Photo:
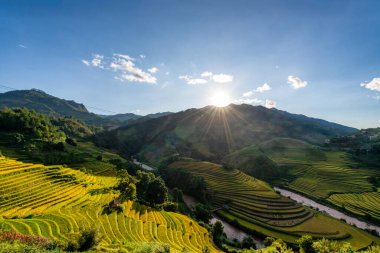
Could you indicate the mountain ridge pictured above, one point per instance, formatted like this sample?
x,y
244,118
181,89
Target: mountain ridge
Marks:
x,y
202,133
42,102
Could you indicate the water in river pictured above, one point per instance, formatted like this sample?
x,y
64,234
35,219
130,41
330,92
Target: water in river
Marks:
x,y
330,211
235,233
231,232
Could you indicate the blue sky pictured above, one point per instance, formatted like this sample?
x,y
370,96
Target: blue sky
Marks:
x,y
318,58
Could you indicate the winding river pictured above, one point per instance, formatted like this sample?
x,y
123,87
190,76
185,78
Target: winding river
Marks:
x,y
328,210
143,165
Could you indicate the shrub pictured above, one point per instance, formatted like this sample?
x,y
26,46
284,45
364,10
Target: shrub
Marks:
x,y
247,242
71,142
88,239
203,213
170,207
305,244
217,232
11,236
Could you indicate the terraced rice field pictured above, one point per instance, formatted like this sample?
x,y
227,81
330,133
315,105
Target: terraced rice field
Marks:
x,y
256,207
55,202
323,178
318,173
362,204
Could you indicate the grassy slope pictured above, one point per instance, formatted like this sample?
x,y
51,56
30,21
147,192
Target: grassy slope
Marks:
x,y
256,207
320,174
55,202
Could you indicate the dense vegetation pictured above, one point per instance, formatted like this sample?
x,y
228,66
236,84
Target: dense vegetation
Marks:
x,y
364,145
51,106
46,104
35,137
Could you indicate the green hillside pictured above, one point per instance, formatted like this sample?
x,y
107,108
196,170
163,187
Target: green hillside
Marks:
x,y
210,133
321,173
254,206
49,105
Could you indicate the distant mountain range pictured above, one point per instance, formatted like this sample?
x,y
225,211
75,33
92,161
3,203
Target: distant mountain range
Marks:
x,y
208,133
211,133
56,107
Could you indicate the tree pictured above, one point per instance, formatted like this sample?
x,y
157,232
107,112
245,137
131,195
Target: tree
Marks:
x,y
268,241
305,244
203,213
177,195
151,189
143,181
247,242
71,141
217,232
157,193
88,239
126,186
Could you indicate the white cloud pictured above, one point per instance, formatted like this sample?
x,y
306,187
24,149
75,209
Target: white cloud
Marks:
x,y
296,82
142,56
206,74
248,101
193,81
153,70
222,78
248,94
263,88
85,62
97,61
270,103
372,85
125,66
124,56
22,46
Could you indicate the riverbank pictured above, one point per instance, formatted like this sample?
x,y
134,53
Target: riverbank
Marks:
x,y
328,210
231,231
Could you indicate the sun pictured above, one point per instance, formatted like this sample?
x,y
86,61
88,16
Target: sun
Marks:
x,y
220,99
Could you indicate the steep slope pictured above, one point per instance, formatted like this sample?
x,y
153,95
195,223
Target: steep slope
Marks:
x,y
53,106
211,132
49,105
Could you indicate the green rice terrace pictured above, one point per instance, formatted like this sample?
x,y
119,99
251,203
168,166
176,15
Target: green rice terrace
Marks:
x,y
58,202
322,174
254,206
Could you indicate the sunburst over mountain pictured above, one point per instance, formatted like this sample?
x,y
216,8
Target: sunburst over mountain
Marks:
x,y
168,126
